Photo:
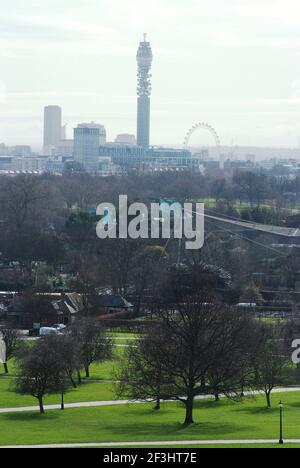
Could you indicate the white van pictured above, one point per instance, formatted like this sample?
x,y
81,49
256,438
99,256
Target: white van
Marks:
x,y
46,331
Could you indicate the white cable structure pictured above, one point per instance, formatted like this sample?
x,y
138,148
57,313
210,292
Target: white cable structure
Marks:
x,y
205,126
274,230
268,229
253,241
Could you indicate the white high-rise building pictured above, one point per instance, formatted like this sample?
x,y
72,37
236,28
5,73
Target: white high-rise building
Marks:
x,y
52,127
86,147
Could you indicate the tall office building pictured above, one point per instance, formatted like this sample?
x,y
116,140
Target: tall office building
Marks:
x,y
86,147
52,126
102,130
144,60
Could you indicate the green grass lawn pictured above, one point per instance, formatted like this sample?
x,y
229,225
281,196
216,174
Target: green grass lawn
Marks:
x,y
107,370
85,392
124,334
103,371
125,341
223,420
11,368
89,391
210,203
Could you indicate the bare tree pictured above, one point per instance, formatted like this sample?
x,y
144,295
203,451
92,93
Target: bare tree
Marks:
x,y
141,375
219,189
65,353
233,353
251,185
271,361
20,197
94,344
146,272
190,340
37,369
252,295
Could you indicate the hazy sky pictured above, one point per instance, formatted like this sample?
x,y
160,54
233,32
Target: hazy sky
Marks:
x,y
232,63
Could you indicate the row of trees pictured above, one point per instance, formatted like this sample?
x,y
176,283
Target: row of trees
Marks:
x,y
193,346
53,364
47,219
24,192
42,205
201,346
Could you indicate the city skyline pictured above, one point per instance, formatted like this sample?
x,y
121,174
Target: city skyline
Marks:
x,y
233,65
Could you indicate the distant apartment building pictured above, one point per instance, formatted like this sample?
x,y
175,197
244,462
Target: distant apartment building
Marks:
x,y
125,139
124,152
63,133
20,150
29,164
86,147
203,155
268,164
3,149
6,163
55,165
108,168
251,158
149,159
241,165
101,128
64,148
52,127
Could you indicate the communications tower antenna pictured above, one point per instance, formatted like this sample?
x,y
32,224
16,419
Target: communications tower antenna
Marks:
x,y
144,61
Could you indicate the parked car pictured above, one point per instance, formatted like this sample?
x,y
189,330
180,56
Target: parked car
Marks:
x,y
59,326
46,331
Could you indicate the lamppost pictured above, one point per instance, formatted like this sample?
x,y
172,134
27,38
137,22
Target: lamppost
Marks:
x,y
281,421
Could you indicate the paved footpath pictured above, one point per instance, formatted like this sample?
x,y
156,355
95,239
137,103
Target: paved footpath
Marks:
x,y
159,443
87,404
93,404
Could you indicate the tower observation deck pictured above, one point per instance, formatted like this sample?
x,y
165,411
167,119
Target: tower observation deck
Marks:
x,y
144,61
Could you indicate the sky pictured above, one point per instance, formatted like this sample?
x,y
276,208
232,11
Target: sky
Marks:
x,y
234,64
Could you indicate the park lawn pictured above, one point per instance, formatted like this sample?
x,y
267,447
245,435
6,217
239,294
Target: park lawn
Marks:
x,y
107,370
124,334
125,341
102,371
239,206
11,368
269,320
139,422
88,391
208,202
